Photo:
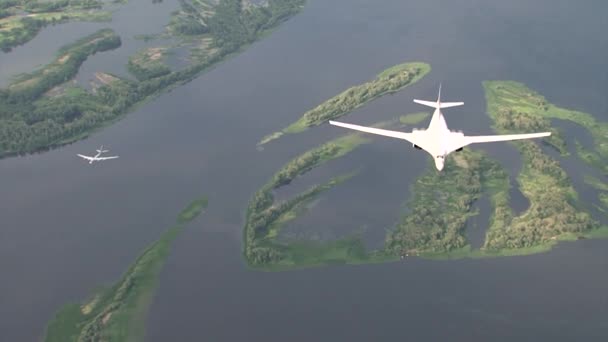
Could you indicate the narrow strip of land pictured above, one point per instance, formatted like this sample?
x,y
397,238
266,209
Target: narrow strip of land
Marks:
x,y
118,313
389,81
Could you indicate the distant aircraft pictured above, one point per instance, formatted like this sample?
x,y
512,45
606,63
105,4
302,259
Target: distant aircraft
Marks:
x,y
97,156
437,139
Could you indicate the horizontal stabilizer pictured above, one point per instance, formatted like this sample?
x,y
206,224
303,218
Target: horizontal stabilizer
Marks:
x,y
438,105
426,103
450,104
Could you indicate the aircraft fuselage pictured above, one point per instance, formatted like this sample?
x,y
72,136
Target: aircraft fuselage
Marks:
x,y
435,137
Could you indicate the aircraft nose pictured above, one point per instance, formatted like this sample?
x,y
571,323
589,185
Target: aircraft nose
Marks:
x,y
439,164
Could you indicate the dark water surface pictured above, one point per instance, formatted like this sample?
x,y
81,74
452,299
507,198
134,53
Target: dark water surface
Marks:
x,y
68,227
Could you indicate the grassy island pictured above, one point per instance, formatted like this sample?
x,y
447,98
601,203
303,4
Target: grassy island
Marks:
x,y
149,63
513,105
265,217
20,21
442,202
510,100
38,112
389,81
554,214
118,313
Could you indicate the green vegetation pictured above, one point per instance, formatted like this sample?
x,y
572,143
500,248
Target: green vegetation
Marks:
x,y
265,218
149,63
554,210
596,183
213,28
414,118
554,215
119,313
193,210
514,101
604,199
389,81
31,121
36,111
441,204
20,21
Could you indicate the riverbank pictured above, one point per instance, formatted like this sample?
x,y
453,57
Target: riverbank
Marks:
x,y
119,313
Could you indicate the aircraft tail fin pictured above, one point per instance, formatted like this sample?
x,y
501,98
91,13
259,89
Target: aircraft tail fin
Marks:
x,y
438,104
101,150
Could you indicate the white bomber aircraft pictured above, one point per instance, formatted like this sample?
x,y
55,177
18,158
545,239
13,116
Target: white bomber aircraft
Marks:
x,y
437,139
97,156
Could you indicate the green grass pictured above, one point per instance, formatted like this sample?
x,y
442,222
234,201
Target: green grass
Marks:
x,y
265,218
519,98
603,196
14,30
301,203
442,202
119,312
193,210
389,81
595,183
149,63
555,212
414,118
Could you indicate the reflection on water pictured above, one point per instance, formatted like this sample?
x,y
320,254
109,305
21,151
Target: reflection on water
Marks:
x,y
68,228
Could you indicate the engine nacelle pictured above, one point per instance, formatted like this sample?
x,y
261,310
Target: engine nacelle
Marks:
x,y
417,147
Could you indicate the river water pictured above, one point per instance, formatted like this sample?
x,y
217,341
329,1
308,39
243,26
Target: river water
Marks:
x,y
68,228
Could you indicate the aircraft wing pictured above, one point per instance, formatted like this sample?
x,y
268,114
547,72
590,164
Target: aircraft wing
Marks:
x,y
504,137
412,138
106,158
393,134
85,157
475,139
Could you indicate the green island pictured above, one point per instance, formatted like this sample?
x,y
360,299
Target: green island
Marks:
x,y
511,100
389,81
21,20
265,218
119,312
149,63
441,203
38,111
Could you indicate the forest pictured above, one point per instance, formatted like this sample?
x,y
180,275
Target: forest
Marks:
x,y
441,203
32,120
22,20
148,64
554,210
